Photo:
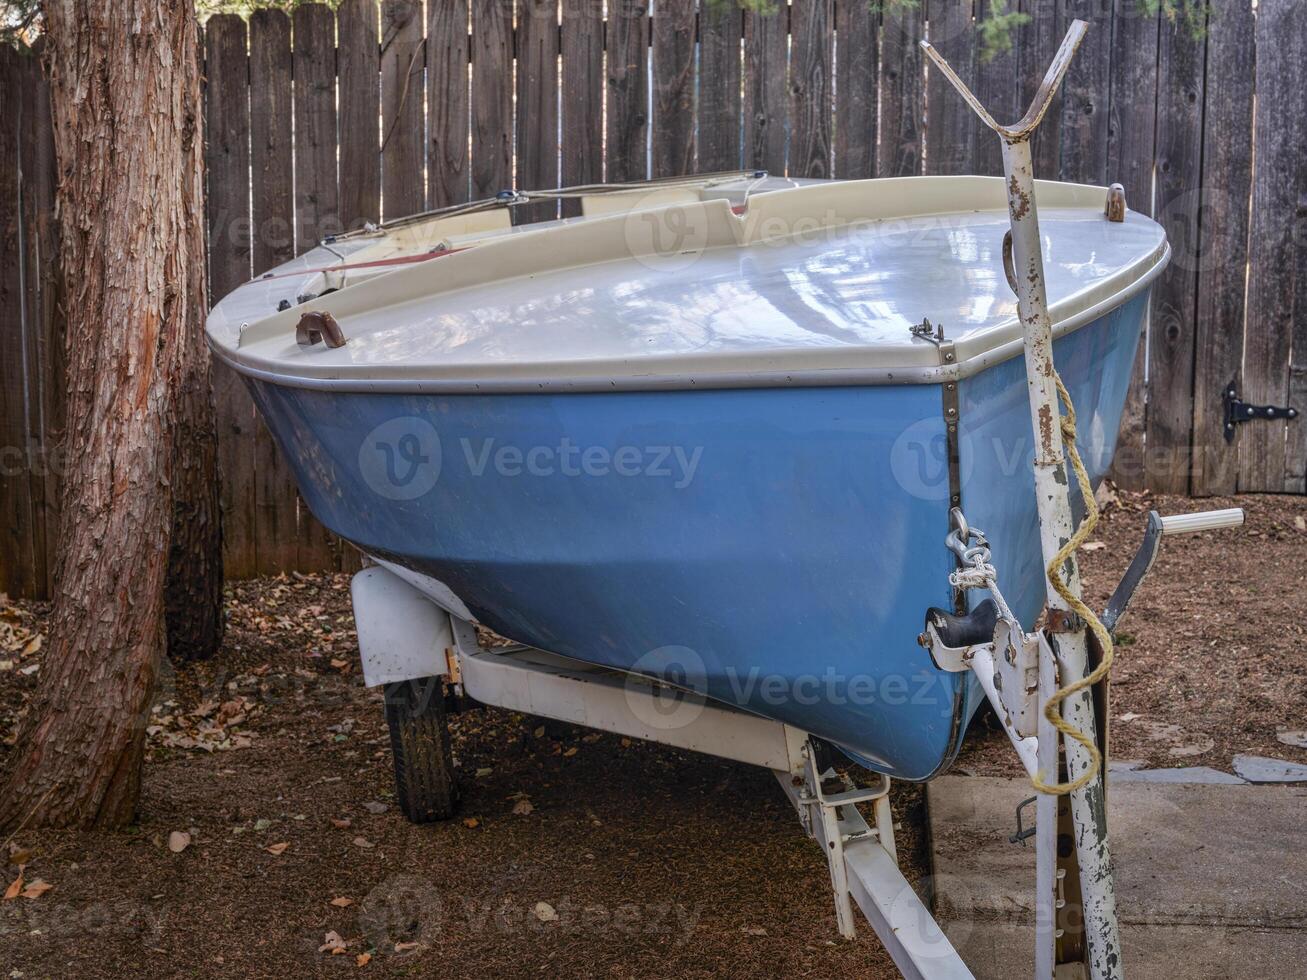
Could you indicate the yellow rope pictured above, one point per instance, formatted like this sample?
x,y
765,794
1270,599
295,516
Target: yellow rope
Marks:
x,y
1077,605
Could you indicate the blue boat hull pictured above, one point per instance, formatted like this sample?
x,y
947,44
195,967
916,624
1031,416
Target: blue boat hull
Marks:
x,y
773,548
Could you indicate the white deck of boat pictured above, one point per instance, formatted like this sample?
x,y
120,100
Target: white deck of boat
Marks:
x,y
668,297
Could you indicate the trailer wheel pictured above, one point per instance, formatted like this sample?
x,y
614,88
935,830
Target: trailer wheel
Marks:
x,y
419,742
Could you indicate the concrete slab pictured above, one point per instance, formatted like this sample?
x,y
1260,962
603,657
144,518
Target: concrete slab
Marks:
x,y
1210,877
1259,769
1189,774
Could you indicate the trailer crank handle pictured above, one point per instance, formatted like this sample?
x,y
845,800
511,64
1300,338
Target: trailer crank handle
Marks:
x,y
1204,520
1158,528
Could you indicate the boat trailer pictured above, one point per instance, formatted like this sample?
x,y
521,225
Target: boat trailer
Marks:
x,y
418,640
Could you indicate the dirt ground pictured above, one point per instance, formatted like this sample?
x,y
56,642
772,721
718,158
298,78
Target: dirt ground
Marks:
x,y
575,853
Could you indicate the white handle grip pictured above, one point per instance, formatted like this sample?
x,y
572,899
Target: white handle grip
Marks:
x,y
1204,520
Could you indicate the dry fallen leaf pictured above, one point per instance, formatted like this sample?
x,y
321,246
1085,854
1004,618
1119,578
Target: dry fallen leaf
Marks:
x,y
341,902
332,942
570,752
405,947
340,823
522,807
753,930
14,888
178,841
36,889
545,912
471,823
277,849
363,959
1093,546
363,842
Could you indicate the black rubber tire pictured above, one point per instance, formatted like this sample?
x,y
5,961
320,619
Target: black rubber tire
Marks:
x,y
419,742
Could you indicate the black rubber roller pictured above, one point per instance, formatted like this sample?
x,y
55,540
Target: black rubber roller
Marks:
x,y
975,627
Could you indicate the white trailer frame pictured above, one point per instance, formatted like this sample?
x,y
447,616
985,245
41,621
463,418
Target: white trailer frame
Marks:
x,y
404,629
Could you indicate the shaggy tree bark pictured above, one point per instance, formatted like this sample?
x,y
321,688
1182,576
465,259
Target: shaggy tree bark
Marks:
x,y
193,590
125,97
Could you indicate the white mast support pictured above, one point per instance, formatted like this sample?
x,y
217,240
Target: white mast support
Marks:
x,y
1052,490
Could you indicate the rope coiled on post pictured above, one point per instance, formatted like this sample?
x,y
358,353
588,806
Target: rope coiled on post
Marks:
x,y
1078,606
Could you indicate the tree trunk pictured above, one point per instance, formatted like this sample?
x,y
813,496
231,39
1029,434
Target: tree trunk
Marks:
x,y
193,590
125,100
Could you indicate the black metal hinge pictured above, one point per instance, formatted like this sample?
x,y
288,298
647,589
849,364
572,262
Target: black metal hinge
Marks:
x,y
1237,410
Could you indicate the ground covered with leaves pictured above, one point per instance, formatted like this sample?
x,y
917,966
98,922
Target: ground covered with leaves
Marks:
x,y
269,844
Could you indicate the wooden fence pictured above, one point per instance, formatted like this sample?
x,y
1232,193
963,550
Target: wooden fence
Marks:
x,y
324,119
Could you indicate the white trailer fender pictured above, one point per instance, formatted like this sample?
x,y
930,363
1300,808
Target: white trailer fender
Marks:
x,y
403,635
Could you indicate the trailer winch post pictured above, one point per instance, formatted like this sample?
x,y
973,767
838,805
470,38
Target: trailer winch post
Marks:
x,y
1025,271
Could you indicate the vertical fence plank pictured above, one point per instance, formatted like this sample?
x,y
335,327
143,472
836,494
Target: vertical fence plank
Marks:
x,y
1169,422
1039,40
673,88
898,152
1277,189
583,96
1085,95
1132,114
447,105
17,541
271,159
1285,211
537,105
720,27
317,207
1132,125
317,198
43,322
272,221
1222,271
857,61
358,67
492,97
765,103
998,88
227,160
811,52
628,90
402,67
950,123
